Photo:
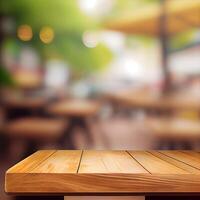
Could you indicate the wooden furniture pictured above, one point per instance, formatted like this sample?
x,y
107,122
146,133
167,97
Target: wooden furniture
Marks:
x,y
25,102
18,106
155,174
35,131
77,112
150,101
174,132
27,80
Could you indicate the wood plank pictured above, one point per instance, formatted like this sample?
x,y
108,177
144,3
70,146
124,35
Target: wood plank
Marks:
x,y
31,162
109,162
106,183
105,172
191,158
175,162
156,165
60,162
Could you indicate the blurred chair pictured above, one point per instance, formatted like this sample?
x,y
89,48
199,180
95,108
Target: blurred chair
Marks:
x,y
36,132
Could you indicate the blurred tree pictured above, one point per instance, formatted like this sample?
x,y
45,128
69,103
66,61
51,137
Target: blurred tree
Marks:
x,y
181,40
68,24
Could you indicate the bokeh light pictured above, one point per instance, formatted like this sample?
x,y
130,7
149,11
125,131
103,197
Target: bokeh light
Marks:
x,y
25,33
46,34
90,39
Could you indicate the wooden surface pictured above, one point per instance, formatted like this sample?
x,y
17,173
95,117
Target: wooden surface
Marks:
x,y
181,16
174,128
148,100
112,172
24,102
80,108
27,79
32,127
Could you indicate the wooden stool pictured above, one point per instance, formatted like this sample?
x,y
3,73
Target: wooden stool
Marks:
x,y
174,131
77,112
35,130
156,174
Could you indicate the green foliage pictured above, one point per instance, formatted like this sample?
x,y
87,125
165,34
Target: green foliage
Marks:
x,y
144,40
61,15
68,23
80,57
5,78
182,39
126,7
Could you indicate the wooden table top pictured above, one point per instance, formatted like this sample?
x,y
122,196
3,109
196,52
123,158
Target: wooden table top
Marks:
x,y
74,107
108,172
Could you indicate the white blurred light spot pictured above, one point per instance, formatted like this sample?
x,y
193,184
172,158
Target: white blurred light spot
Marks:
x,y
88,5
114,40
90,39
57,74
128,68
96,7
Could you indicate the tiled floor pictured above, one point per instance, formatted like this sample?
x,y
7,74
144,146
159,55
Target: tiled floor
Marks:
x,y
114,133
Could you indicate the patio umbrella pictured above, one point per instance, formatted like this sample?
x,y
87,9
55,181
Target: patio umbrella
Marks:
x,y
164,20
180,14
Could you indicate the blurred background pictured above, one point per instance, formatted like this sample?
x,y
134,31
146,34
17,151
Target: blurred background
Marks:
x,y
100,74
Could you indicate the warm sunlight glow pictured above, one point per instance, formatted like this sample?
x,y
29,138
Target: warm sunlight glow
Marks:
x,y
25,33
47,34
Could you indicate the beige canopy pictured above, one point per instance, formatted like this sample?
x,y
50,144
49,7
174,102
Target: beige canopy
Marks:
x,y
181,15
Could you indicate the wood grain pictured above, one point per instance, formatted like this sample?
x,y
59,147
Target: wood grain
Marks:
x,y
186,157
31,162
109,162
155,165
175,162
109,172
60,162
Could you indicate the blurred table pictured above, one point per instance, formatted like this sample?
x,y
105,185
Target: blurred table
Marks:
x,y
22,105
28,102
151,101
35,131
77,112
174,132
27,80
